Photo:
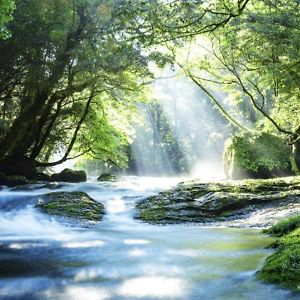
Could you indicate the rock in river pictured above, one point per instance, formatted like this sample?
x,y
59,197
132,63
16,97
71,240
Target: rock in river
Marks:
x,y
78,205
13,180
222,201
107,177
68,175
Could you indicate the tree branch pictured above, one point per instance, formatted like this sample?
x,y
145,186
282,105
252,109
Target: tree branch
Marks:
x,y
74,137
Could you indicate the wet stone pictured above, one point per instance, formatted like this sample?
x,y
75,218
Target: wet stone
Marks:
x,y
76,205
221,201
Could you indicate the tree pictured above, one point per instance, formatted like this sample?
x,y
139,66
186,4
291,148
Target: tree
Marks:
x,y
70,55
255,60
62,53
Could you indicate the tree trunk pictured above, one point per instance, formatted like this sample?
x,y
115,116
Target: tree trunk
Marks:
x,y
19,138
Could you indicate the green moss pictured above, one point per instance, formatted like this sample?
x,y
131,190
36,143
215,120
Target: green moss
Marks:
x,y
256,155
76,205
283,267
285,226
150,215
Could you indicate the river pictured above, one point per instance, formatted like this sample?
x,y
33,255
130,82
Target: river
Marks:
x,y
42,257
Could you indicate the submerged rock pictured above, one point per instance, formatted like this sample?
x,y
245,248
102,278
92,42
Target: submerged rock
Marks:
x,y
68,175
223,201
107,177
283,267
257,155
78,205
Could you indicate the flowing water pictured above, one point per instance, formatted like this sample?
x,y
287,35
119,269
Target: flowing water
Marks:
x,y
42,257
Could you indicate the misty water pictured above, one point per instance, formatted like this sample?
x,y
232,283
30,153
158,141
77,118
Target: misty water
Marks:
x,y
42,257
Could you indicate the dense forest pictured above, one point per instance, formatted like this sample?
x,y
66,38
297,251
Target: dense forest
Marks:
x,y
74,75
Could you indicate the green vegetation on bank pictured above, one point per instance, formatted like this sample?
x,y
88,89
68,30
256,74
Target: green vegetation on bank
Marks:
x,y
283,267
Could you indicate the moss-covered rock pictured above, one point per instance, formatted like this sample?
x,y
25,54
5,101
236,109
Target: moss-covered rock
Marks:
x,y
283,267
257,155
209,202
14,180
78,205
68,175
107,177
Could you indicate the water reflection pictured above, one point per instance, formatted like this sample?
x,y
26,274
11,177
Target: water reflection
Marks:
x,y
136,242
137,253
87,244
158,287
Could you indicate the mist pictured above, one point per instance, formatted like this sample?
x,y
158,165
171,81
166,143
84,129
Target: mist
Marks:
x,y
180,132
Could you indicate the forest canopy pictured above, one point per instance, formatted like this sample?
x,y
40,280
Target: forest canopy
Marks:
x,y
73,71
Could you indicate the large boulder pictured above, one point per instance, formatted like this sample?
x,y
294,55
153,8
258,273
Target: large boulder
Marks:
x,y
68,175
13,180
76,205
257,155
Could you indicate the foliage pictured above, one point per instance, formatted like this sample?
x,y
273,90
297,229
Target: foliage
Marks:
x,y
254,62
83,63
73,52
156,143
6,9
54,78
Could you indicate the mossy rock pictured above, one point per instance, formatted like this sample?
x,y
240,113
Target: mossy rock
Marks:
x,y
219,201
78,205
283,267
69,175
14,180
257,155
107,177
